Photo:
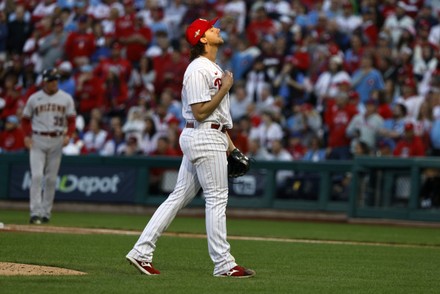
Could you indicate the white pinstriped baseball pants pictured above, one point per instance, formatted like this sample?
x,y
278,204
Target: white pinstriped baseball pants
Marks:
x,y
204,165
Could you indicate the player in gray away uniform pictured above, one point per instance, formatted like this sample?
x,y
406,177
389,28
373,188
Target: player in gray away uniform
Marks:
x,y
205,143
45,117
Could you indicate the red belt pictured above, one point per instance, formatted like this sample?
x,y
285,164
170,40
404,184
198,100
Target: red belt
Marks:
x,y
213,126
49,134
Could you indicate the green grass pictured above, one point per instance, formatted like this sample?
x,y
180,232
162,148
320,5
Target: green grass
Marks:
x,y
186,267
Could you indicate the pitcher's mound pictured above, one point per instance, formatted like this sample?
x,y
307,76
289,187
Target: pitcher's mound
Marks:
x,y
19,269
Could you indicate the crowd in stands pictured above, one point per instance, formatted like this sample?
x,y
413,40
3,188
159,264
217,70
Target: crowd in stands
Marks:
x,y
314,80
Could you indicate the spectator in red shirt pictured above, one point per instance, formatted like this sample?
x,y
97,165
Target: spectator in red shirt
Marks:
x,y
164,148
160,61
173,72
337,118
409,145
14,100
12,137
260,26
384,108
239,138
80,44
369,27
295,146
125,23
115,63
89,91
136,40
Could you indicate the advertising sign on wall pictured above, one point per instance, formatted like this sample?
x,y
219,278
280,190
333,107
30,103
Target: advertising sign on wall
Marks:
x,y
252,184
95,184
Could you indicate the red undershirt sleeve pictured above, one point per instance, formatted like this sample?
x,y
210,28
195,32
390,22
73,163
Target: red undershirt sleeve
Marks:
x,y
71,125
26,125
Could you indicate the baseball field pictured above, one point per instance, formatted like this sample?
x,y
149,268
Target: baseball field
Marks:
x,y
288,256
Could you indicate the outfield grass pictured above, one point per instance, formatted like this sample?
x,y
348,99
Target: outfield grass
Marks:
x,y
281,267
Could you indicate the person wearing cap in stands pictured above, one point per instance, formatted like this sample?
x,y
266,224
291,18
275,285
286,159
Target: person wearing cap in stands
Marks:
x,y
337,117
348,21
409,145
260,25
205,143
125,22
327,84
80,44
385,147
88,86
366,126
116,63
396,22
367,78
411,98
136,40
67,81
48,122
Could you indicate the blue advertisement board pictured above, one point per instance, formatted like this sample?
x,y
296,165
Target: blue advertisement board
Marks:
x,y
252,184
94,184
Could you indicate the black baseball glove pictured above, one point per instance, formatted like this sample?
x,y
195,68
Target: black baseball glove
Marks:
x,y
238,164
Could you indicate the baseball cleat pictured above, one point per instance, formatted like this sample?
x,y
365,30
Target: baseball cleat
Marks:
x,y
238,272
45,220
143,266
35,220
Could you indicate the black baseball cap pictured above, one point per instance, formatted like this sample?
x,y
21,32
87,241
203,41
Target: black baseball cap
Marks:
x,y
50,74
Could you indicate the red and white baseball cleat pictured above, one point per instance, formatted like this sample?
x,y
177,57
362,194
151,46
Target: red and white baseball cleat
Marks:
x,y
238,272
143,266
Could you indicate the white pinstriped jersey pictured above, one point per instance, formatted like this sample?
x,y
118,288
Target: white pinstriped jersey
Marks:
x,y
204,166
48,113
201,81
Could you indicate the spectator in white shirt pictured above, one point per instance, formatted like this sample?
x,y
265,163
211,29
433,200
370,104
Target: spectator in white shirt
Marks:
x,y
239,101
268,131
348,21
94,139
397,22
326,86
410,98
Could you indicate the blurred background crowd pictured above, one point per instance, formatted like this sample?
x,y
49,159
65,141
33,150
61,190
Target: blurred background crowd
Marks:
x,y
314,80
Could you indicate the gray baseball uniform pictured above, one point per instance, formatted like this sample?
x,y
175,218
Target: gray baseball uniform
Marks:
x,y
204,165
48,115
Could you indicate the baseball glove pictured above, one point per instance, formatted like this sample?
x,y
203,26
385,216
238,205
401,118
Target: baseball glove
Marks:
x,y
238,164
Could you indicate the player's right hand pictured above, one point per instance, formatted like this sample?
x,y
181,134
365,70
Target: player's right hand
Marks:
x,y
66,141
227,80
28,142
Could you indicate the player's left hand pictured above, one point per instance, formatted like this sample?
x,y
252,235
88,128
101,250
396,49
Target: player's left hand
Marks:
x,y
28,142
66,140
238,164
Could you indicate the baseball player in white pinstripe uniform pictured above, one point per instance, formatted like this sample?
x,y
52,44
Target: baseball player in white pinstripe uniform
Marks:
x,y
205,143
45,117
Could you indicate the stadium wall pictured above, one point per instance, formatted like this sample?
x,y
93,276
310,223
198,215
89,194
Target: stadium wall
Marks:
x,y
366,187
